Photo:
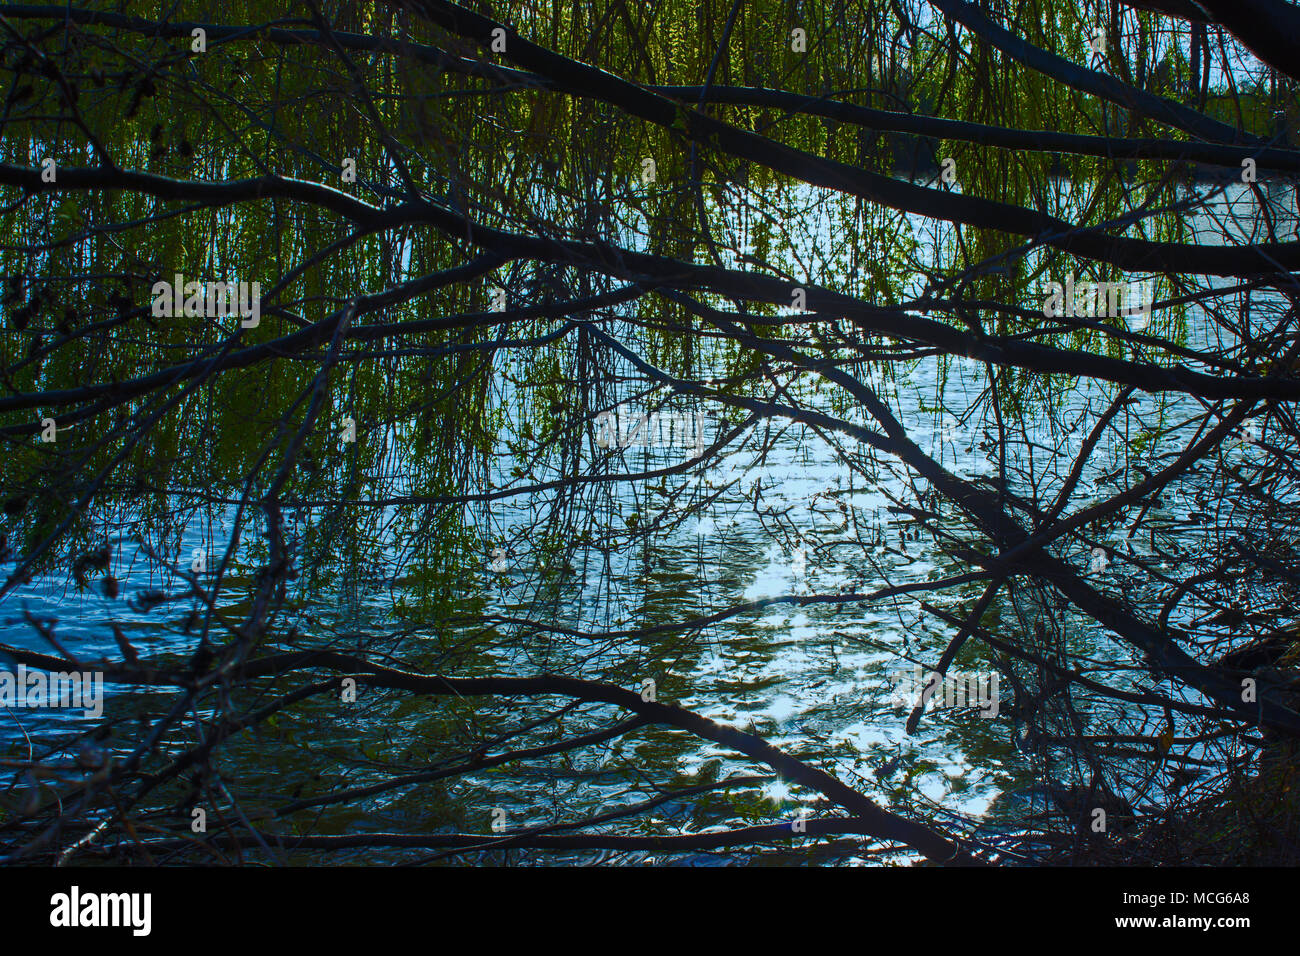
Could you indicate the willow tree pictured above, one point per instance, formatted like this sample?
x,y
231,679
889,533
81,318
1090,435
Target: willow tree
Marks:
x,y
374,372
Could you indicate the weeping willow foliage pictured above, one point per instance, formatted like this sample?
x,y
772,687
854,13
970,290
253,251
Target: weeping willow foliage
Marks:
x,y
77,262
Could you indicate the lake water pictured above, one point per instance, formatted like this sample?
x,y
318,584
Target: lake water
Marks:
x,y
789,513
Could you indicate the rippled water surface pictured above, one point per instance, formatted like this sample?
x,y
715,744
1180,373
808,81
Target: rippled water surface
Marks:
x,y
787,512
